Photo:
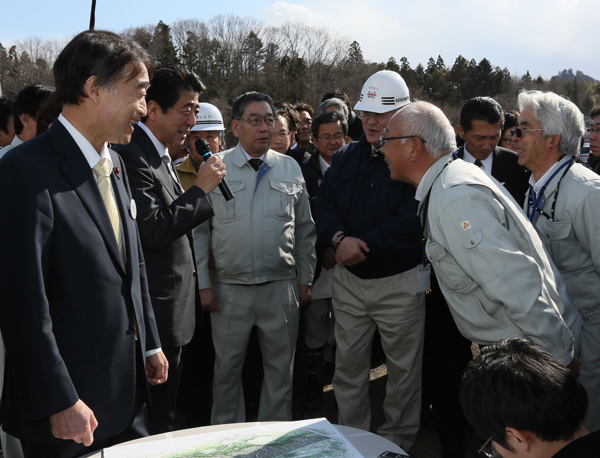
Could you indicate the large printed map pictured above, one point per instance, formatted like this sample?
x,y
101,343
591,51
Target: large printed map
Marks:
x,y
300,439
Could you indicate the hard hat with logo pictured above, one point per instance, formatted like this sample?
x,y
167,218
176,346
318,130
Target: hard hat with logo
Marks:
x,y
208,118
384,91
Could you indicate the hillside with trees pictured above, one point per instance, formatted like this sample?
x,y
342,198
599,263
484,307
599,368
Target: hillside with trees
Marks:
x,y
295,62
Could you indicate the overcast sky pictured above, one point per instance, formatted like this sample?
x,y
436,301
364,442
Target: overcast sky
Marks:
x,y
542,36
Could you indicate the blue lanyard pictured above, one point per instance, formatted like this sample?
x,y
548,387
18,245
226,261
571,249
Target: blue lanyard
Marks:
x,y
533,209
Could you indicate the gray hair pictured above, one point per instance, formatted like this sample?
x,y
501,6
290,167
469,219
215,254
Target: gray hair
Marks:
x,y
333,102
430,124
557,116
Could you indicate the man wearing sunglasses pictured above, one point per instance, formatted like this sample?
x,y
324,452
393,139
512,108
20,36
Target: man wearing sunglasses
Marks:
x,y
563,204
371,223
490,263
526,403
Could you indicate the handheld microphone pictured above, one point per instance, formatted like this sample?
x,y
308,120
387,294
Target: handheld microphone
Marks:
x,y
203,149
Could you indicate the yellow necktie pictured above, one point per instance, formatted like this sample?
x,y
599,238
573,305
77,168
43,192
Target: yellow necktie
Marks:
x,y
102,169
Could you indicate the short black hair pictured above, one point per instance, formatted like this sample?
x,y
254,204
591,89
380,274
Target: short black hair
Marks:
x,y
481,109
6,112
290,114
326,118
168,83
28,102
103,54
515,383
241,102
47,113
510,120
595,111
303,106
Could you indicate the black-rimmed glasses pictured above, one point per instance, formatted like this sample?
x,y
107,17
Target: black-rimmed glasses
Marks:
x,y
384,140
518,131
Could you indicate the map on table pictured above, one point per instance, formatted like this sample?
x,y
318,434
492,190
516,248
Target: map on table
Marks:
x,y
298,439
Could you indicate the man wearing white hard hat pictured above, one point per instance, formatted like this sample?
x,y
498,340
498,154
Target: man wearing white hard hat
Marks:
x,y
372,224
209,125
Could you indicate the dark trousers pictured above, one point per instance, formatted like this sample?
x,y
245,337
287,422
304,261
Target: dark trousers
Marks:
x,y
163,398
137,427
446,354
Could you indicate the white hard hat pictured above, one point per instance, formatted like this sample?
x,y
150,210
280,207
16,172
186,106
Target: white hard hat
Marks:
x,y
384,91
208,118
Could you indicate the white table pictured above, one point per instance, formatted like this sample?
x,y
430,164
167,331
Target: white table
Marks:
x,y
368,444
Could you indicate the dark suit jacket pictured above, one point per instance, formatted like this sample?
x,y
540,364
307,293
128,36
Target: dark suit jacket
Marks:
x,y
506,169
165,222
66,299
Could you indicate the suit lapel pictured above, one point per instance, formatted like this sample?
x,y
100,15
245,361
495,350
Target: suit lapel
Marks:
x,y
79,174
155,161
124,203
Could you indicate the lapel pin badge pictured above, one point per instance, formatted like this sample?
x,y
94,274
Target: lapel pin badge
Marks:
x,y
133,209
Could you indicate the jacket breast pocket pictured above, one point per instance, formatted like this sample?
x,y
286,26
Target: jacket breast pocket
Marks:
x,y
559,239
283,198
446,269
234,209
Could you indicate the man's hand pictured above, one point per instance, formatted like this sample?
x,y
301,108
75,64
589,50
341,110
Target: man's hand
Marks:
x,y
305,294
76,423
574,366
329,258
210,174
157,368
351,251
209,300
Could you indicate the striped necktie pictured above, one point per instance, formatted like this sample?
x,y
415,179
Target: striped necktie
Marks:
x,y
102,169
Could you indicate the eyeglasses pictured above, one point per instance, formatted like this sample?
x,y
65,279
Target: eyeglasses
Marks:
x,y
591,130
338,138
370,114
307,122
268,120
488,450
384,140
508,140
281,135
518,131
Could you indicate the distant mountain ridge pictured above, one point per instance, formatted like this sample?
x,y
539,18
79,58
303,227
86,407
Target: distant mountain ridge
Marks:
x,y
568,75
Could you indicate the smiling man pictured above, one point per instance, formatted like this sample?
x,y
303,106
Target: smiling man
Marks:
x,y
490,263
166,216
481,123
564,206
76,318
263,245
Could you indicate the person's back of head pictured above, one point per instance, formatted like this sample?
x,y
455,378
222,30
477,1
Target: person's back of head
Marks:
x,y
517,385
7,130
25,110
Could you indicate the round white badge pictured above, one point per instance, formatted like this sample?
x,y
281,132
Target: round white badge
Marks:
x,y
133,209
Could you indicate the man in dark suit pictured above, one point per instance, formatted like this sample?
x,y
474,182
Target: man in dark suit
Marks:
x,y
446,351
481,123
166,217
75,312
